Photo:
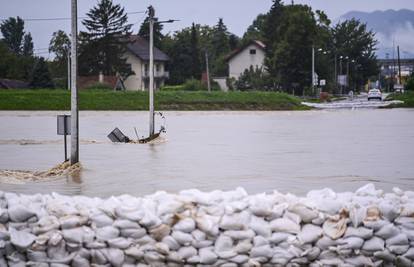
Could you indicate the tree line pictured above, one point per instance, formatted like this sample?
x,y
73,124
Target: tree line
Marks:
x,y
288,31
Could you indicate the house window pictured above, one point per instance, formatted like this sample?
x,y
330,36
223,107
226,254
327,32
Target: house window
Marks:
x,y
146,68
157,67
252,51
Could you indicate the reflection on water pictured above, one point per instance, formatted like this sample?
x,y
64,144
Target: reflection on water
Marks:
x,y
261,151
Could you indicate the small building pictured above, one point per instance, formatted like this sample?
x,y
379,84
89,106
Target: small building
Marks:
x,y
137,56
252,54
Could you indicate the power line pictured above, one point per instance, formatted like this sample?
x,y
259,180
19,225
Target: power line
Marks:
x,y
65,18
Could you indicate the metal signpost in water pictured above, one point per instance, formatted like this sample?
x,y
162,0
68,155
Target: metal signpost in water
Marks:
x,y
74,141
63,128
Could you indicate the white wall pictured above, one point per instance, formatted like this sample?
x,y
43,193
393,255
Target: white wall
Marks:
x,y
243,60
134,82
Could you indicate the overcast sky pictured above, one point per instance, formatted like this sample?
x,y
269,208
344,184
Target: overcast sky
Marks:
x,y
237,14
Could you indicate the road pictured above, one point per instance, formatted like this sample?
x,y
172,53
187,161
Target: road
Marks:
x,y
359,101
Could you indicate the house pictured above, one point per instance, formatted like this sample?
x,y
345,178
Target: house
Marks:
x,y
137,55
251,54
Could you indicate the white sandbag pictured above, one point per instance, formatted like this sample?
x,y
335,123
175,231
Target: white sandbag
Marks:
x,y
198,235
114,256
375,225
223,247
101,219
284,225
403,262
325,243
306,214
186,225
410,253
171,242
243,247
133,233
4,234
399,239
385,255
259,241
260,226
107,233
182,238
361,232
187,252
20,213
236,221
128,213
194,260
261,205
119,242
369,190
389,211
374,244
46,224
279,237
357,215
311,253
240,259
134,252
160,231
310,233
162,248
262,251
351,243
21,239
74,235
208,224
240,235
80,262
98,256
398,249
72,221
125,224
169,207
359,261
202,243
387,231
293,217
334,228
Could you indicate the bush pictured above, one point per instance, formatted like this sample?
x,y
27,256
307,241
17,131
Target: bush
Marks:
x,y
409,86
99,86
194,85
252,79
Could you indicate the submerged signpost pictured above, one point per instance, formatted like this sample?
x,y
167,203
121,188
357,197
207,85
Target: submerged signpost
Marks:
x,y
63,128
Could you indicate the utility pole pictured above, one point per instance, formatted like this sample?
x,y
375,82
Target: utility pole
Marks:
x,y
336,74
313,69
347,72
151,13
340,72
74,141
208,72
399,64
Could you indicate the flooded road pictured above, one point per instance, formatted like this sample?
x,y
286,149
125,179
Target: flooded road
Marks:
x,y
260,151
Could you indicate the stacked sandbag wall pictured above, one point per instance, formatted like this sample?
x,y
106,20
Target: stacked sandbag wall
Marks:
x,y
193,228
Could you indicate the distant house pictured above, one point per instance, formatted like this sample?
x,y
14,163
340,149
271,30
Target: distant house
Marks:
x,y
137,56
252,54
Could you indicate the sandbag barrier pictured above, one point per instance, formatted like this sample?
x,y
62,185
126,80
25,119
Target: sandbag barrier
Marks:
x,y
193,228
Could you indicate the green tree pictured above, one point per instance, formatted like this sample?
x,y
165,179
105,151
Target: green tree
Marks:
x,y
252,79
104,44
220,48
28,45
158,36
60,46
354,42
13,32
255,31
40,77
290,33
195,53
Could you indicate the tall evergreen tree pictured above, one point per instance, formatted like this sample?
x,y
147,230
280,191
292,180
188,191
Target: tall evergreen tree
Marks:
x,y
105,41
28,45
220,48
158,36
40,77
13,32
195,53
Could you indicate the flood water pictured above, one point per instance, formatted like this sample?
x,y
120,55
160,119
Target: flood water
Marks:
x,y
260,151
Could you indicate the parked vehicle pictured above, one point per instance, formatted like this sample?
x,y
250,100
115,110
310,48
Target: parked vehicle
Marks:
x,y
374,94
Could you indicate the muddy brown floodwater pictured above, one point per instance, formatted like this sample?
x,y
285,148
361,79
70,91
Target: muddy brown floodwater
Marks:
x,y
260,151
